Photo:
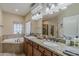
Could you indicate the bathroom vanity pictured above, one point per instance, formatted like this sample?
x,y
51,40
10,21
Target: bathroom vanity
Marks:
x,y
39,47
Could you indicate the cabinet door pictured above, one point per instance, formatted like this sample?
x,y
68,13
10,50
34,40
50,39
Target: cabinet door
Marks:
x,y
29,50
47,52
41,49
25,48
36,52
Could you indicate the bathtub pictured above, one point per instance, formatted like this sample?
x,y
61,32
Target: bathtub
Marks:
x,y
13,40
13,45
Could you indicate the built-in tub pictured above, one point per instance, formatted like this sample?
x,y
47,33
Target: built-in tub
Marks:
x,y
13,45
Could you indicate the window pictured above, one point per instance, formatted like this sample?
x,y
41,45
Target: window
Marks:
x,y
28,28
17,28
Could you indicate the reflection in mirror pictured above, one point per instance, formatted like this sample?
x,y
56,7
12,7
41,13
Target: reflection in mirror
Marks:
x,y
52,30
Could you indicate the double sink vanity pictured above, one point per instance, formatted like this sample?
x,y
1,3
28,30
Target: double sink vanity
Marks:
x,y
34,46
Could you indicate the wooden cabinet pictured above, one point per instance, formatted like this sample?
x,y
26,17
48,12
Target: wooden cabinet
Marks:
x,y
47,52
25,47
36,52
41,49
34,49
29,53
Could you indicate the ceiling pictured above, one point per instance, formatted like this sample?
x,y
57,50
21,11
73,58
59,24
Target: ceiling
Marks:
x,y
16,8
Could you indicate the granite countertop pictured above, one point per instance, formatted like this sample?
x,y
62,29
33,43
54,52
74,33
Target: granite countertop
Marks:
x,y
59,49
41,43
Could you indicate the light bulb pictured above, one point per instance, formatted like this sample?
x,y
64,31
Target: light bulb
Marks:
x,y
63,8
53,6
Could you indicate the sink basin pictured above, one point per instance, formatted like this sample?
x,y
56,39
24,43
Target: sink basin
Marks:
x,y
72,51
51,44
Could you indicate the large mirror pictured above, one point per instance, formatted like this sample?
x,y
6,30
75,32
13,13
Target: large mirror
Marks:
x,y
71,26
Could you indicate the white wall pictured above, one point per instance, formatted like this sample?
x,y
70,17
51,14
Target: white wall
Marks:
x,y
72,10
0,17
28,28
1,22
8,20
27,19
37,26
0,30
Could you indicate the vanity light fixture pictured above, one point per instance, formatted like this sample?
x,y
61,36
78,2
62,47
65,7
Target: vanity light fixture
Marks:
x,y
47,10
63,8
37,16
50,8
37,12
